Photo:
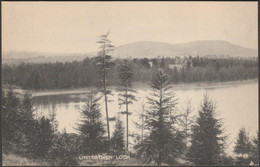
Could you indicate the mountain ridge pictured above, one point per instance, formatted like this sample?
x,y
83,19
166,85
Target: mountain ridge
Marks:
x,y
194,48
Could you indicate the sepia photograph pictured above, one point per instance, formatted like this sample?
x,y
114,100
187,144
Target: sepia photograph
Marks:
x,y
129,83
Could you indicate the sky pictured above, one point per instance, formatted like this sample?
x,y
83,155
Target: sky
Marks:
x,y
74,27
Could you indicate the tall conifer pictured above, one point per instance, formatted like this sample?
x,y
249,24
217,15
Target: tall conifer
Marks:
x,y
117,140
126,96
243,147
163,143
207,140
104,64
91,127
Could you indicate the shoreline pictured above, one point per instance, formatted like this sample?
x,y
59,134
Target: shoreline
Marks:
x,y
144,86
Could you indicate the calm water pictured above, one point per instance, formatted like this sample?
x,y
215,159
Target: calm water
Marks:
x,y
236,105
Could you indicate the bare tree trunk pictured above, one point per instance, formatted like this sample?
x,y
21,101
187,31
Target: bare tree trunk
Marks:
x,y
159,162
126,121
108,130
143,125
105,94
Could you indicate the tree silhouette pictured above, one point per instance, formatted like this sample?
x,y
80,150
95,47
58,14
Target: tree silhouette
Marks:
x,y
163,143
127,96
254,154
207,140
91,128
117,140
53,120
243,147
11,120
186,120
104,64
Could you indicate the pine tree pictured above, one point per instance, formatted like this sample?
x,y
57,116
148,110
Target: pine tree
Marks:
x,y
62,152
140,125
27,107
11,119
53,120
186,120
243,147
162,64
207,140
35,80
254,154
104,65
117,140
28,125
43,138
28,136
163,143
127,96
91,128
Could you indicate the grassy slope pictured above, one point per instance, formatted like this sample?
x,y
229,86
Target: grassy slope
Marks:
x,y
127,162
16,160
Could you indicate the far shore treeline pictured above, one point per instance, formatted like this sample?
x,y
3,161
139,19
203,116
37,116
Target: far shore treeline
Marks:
x,y
78,74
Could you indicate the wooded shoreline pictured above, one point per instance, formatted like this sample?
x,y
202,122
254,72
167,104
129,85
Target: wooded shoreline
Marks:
x,y
144,86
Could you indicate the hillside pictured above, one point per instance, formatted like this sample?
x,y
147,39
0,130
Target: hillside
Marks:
x,y
201,48
148,49
145,49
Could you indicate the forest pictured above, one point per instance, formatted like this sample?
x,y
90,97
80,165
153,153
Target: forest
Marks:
x,y
167,137
84,74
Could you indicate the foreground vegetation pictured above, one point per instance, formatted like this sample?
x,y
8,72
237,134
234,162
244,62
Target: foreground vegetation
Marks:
x,y
167,137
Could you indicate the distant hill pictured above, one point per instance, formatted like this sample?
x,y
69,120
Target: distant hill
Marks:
x,y
145,49
201,48
148,49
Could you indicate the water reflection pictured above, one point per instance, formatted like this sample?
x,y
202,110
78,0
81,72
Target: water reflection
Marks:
x,y
59,99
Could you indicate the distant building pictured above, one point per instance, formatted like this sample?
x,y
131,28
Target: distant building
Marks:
x,y
177,66
150,63
180,63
